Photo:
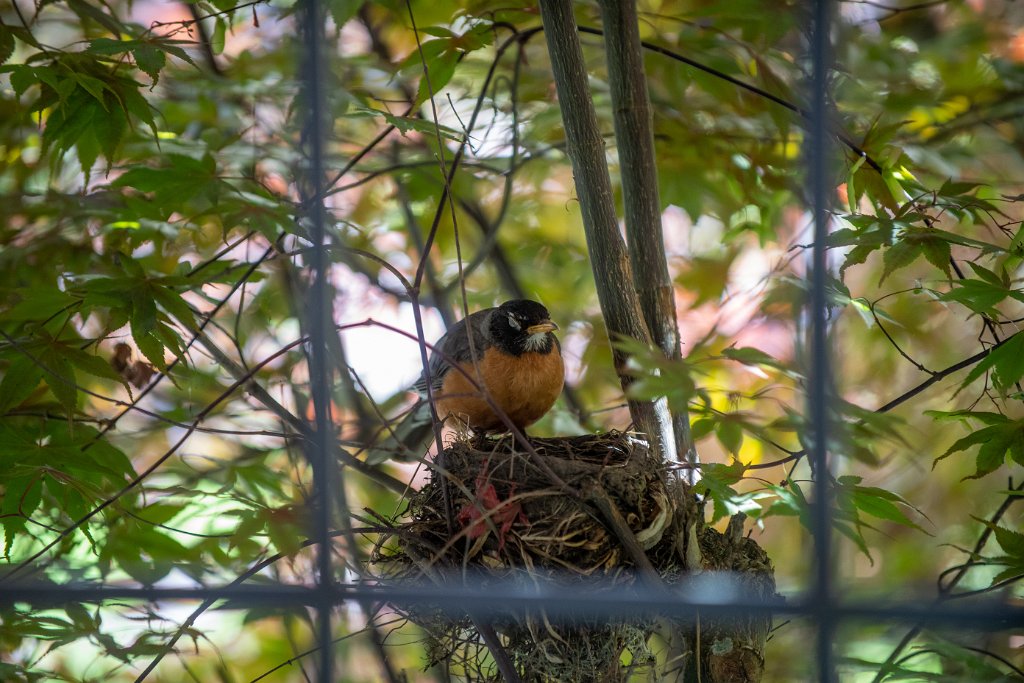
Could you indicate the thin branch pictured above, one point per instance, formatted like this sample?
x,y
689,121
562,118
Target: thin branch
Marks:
x,y
795,456
940,375
989,324
946,591
255,569
369,628
263,396
138,479
999,658
892,341
207,319
206,47
803,113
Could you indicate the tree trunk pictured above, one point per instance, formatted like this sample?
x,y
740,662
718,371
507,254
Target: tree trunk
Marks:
x,y
620,305
635,137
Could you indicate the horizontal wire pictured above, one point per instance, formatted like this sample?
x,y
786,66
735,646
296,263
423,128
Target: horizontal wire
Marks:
x,y
712,594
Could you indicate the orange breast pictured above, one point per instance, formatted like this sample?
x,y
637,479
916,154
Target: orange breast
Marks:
x,y
523,387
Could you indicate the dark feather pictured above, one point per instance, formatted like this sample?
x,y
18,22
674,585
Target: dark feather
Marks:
x,y
454,346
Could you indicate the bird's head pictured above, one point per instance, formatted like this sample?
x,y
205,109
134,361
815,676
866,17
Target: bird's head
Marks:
x,y
522,325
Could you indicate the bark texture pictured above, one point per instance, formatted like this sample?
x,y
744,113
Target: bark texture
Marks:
x,y
620,305
634,134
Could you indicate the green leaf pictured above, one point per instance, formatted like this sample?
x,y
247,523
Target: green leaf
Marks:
x,y
56,80
857,256
137,105
160,513
108,46
938,253
284,534
1011,572
113,459
93,86
955,189
751,356
182,179
972,439
853,533
438,31
983,366
702,427
1012,542
219,36
20,380
143,311
172,302
90,363
404,124
88,148
995,442
978,295
845,237
343,10
987,275
6,43
150,59
1007,361
991,455
789,502
83,621
1017,451
730,434
877,503
898,256
171,47
60,378
23,77
716,482
109,132
87,10
985,417
169,338
1017,242
21,497
151,348
440,71
71,121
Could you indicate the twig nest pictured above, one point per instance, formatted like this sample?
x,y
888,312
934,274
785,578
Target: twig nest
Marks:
x,y
567,510
512,508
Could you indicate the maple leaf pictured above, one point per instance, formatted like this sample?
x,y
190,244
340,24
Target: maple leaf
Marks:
x,y
487,505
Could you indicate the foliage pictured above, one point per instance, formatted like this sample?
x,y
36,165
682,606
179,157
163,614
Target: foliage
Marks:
x,y
150,198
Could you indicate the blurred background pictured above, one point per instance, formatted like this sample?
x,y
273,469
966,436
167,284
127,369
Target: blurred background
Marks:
x,y
149,152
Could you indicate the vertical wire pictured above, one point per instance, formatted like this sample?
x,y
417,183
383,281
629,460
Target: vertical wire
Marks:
x,y
819,395
317,448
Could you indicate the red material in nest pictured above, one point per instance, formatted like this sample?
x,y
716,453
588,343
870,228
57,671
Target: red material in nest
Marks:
x,y
486,505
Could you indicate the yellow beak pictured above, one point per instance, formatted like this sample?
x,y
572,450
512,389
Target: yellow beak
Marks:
x,y
541,327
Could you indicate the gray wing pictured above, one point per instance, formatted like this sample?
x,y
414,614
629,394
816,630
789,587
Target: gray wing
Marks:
x,y
454,346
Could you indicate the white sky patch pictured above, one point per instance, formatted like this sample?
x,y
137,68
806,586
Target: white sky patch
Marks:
x,y
574,343
386,361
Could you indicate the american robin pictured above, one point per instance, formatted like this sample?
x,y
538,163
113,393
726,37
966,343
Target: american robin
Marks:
x,y
513,354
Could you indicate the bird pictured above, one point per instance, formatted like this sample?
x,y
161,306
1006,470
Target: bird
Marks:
x,y
511,351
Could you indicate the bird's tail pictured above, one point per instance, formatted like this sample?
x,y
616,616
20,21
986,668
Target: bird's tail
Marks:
x,y
408,440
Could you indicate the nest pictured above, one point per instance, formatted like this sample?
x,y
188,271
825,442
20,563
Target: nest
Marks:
x,y
568,510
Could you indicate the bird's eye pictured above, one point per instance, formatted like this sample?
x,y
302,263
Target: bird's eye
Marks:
x,y
513,321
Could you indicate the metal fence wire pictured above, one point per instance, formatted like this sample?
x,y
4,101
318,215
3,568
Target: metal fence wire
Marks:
x,y
709,596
